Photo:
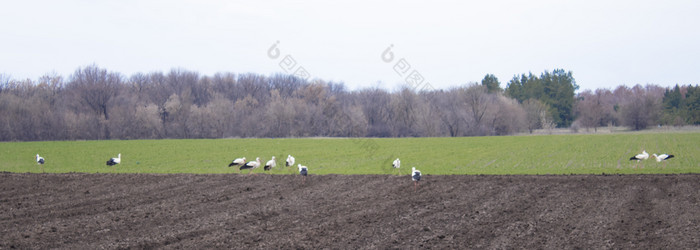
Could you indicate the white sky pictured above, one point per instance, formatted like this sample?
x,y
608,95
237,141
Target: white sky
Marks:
x,y
604,43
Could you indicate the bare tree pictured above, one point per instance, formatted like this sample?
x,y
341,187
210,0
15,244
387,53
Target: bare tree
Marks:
x,y
202,91
404,105
448,105
508,116
95,87
357,122
280,116
285,84
428,117
147,120
642,108
181,80
589,109
247,117
177,110
254,85
547,121
535,113
376,107
221,110
4,82
477,101
226,85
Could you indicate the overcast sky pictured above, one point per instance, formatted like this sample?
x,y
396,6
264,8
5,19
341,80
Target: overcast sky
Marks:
x,y
448,43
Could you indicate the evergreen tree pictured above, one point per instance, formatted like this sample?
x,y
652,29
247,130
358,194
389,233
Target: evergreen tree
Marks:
x,y
514,89
692,104
672,98
674,111
492,84
555,89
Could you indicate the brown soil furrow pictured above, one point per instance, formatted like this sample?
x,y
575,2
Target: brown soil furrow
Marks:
x,y
78,211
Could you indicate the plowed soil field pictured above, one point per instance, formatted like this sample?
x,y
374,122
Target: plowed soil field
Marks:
x,y
91,211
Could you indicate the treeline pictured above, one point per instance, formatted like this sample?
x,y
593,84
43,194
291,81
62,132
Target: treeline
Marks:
x,y
638,107
94,103
555,89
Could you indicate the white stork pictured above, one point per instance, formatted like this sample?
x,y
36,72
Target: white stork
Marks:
x,y
251,165
662,157
40,161
303,171
640,157
270,164
397,165
115,161
415,175
290,160
237,162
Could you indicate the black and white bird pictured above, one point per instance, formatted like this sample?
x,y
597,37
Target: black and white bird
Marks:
x,y
303,171
415,175
662,157
115,161
237,162
640,157
39,159
290,160
397,165
270,164
251,165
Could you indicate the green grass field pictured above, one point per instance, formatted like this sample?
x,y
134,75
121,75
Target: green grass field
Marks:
x,y
544,154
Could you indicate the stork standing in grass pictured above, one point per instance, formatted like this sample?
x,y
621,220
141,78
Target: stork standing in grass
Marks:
x,y
40,161
397,165
662,157
270,164
303,171
114,161
237,162
415,175
640,157
251,165
290,161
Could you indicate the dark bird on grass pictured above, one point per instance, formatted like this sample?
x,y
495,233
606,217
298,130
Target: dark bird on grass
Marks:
x,y
39,159
303,171
415,175
640,157
290,160
270,164
237,162
397,164
115,161
251,165
662,157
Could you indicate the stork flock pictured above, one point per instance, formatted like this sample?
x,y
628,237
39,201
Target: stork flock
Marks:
x,y
251,165
303,170
644,156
